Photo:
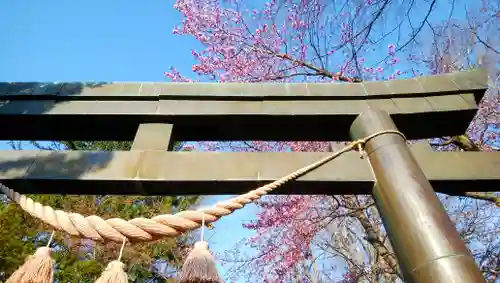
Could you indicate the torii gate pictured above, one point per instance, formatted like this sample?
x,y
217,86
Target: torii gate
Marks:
x,y
155,115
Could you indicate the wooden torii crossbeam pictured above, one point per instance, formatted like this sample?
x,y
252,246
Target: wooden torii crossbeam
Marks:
x,y
421,107
154,172
155,115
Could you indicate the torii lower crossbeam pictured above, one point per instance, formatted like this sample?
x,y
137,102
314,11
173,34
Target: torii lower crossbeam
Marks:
x,y
155,172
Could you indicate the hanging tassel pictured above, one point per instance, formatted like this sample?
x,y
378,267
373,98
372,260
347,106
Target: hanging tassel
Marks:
x,y
38,268
199,266
114,272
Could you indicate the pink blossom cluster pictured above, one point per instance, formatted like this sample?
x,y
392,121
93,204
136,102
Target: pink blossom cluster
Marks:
x,y
246,45
175,76
232,52
285,229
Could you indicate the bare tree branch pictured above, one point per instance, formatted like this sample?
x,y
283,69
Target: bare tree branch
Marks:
x,y
490,197
484,43
414,35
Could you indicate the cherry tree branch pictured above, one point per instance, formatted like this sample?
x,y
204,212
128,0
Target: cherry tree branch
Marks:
x,y
373,237
275,78
466,144
414,35
490,197
319,71
483,42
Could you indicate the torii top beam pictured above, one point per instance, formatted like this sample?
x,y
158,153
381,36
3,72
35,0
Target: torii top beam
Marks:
x,y
421,107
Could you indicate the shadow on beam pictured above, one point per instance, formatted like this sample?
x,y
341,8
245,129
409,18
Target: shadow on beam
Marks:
x,y
24,166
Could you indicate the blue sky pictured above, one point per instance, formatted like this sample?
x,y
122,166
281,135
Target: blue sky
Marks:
x,y
91,40
101,41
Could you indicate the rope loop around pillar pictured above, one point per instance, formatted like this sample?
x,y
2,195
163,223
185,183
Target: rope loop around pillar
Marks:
x,y
166,225
361,143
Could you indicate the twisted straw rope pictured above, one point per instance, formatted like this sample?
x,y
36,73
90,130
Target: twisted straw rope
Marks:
x,y
165,225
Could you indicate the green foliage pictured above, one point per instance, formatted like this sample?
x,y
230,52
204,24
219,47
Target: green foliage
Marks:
x,y
97,145
14,235
80,260
71,268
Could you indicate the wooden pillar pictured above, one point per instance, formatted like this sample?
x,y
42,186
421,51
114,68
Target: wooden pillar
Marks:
x,y
426,243
153,137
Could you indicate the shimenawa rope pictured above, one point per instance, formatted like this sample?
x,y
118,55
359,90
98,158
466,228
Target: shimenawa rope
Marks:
x,y
165,225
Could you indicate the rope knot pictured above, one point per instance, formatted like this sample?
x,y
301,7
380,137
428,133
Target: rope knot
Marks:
x,y
360,144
